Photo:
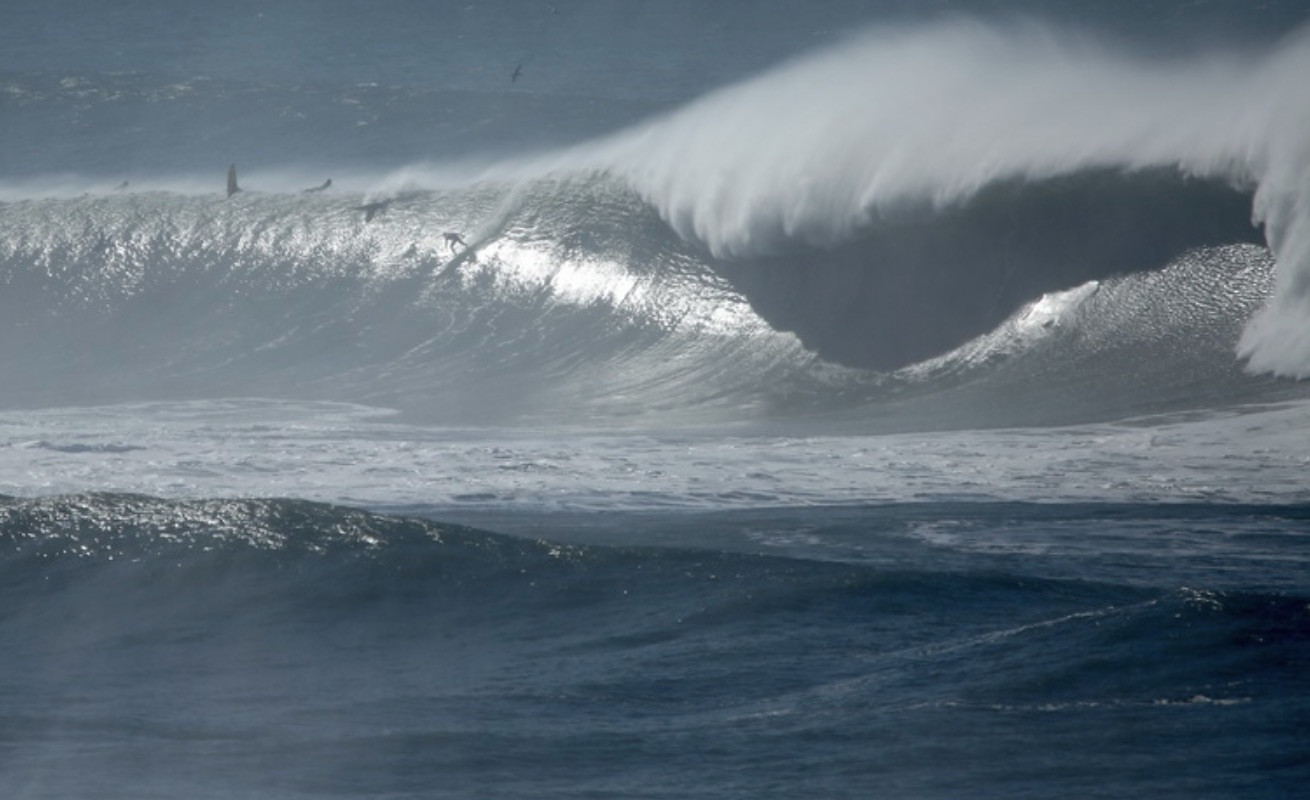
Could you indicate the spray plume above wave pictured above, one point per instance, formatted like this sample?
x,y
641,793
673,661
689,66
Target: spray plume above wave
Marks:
x,y
902,119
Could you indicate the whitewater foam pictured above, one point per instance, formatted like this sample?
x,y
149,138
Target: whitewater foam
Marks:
x,y
351,454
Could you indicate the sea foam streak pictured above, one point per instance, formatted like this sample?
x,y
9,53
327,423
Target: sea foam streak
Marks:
x,y
908,120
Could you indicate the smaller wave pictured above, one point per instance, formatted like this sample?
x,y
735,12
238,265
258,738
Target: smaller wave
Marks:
x,y
1083,354
121,610
279,549
267,559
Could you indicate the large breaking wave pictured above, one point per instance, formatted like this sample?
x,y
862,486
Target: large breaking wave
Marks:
x,y
883,217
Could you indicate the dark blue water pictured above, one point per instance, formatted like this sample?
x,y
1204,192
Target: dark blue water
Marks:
x,y
699,478
285,649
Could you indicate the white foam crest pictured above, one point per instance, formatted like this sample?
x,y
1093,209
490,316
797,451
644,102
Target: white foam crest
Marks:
x,y
901,120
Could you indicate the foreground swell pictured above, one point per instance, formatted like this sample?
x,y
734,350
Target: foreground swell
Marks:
x,y
289,644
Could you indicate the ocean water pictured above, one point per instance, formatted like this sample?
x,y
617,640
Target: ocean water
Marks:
x,y
837,399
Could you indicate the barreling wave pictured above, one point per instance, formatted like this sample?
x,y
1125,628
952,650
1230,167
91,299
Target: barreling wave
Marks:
x,y
574,302
845,228
903,124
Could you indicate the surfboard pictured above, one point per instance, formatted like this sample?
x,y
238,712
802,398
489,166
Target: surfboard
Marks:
x,y
232,187
468,253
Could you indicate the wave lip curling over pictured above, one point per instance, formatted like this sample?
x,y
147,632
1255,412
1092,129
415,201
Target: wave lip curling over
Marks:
x,y
899,122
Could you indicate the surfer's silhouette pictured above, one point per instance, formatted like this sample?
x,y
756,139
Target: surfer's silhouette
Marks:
x,y
453,239
518,70
327,184
371,210
232,187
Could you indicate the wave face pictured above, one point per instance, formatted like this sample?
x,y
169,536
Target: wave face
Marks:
x,y
228,646
569,299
